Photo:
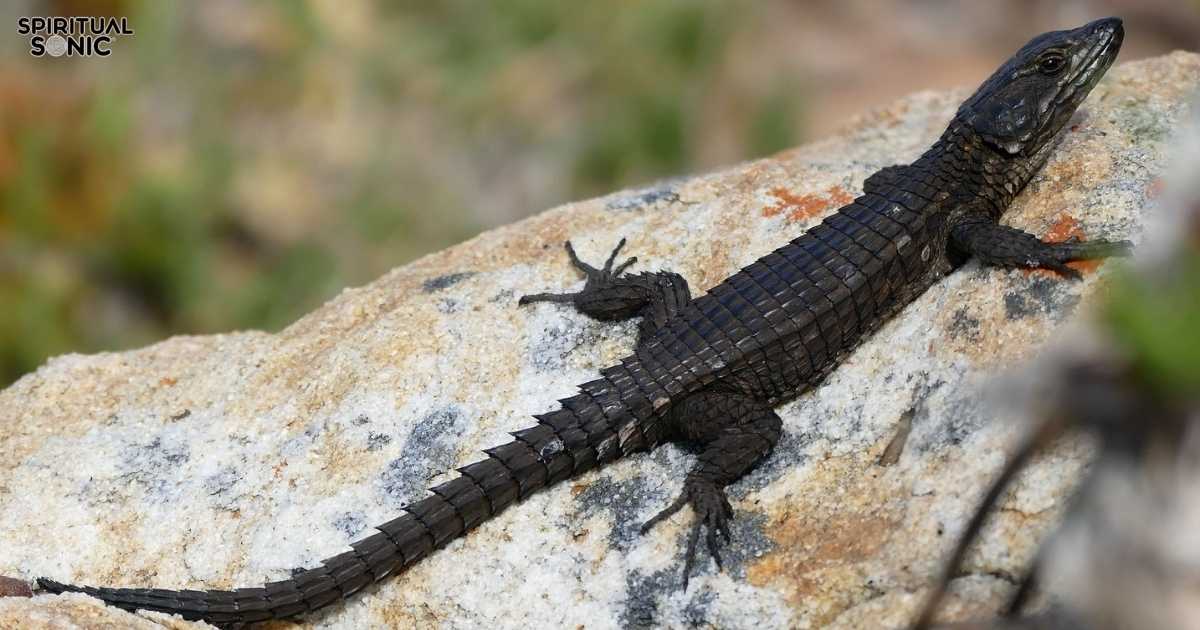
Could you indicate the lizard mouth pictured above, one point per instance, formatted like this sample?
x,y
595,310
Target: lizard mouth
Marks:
x,y
1108,34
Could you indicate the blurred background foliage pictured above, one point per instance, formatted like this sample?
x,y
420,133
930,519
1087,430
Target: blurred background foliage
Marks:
x,y
233,164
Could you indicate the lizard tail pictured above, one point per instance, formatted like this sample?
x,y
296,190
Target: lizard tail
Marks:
x,y
566,442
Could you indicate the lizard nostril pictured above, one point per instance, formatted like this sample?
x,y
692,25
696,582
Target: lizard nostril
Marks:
x,y
1113,25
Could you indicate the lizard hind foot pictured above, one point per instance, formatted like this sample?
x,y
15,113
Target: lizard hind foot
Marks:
x,y
713,512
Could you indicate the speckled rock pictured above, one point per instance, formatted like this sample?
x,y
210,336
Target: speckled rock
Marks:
x,y
228,460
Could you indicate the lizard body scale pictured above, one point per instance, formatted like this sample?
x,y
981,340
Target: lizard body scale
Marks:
x,y
710,369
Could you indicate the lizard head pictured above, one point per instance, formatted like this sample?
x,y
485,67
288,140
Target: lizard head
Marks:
x,y
1025,103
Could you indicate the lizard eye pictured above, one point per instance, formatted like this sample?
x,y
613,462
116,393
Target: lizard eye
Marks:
x,y
1052,63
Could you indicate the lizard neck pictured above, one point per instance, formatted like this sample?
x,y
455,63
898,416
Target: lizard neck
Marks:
x,y
981,172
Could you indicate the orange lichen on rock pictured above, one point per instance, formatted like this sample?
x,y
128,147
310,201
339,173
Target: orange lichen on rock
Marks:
x,y
788,201
822,549
804,207
839,196
1065,228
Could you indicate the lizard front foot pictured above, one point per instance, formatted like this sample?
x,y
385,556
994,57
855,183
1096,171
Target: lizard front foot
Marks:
x,y
1076,249
713,512
607,295
597,279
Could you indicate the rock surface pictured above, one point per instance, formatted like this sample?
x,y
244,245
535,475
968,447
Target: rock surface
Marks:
x,y
228,460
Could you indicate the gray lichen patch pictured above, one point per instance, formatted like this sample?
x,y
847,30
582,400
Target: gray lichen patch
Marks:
x,y
642,607
664,192
445,281
151,465
222,482
965,326
622,502
431,449
1040,295
351,523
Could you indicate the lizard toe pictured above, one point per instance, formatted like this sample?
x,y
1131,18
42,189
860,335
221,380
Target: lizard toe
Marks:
x,y
712,515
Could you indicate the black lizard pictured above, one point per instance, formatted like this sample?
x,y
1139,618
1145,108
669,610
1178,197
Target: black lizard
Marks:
x,y
709,370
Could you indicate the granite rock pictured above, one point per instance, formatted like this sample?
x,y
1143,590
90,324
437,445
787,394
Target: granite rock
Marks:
x,y
228,460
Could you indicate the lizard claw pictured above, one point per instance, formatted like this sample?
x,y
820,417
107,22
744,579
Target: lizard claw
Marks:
x,y
714,547
1076,249
587,269
546,297
613,256
713,512
605,273
1056,255
1106,249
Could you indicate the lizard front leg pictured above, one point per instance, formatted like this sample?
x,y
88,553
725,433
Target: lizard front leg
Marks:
x,y
608,295
737,433
996,244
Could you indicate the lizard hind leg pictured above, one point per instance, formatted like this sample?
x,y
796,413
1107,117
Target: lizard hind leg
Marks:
x,y
737,433
609,295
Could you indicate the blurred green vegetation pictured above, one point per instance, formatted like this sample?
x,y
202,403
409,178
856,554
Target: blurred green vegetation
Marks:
x,y
227,169
1156,323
